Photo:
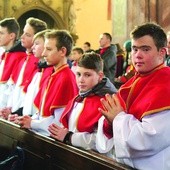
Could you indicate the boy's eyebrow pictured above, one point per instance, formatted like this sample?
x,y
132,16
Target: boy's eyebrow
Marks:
x,y
143,46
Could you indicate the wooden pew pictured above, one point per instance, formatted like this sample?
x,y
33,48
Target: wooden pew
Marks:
x,y
44,153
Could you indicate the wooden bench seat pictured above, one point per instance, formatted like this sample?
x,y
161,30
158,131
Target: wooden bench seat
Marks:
x,y
44,153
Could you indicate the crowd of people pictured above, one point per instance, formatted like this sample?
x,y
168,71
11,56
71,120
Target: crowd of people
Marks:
x,y
110,100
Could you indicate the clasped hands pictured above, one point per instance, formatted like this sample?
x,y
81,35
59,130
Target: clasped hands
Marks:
x,y
111,107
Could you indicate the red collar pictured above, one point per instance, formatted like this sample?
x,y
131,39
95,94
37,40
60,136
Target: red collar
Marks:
x,y
103,50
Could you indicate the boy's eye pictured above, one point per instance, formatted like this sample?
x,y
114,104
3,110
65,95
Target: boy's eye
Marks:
x,y
145,48
78,74
134,49
28,35
87,75
49,49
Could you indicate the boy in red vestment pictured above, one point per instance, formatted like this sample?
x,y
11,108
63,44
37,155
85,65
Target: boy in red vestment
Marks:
x,y
14,52
26,68
40,76
139,114
59,87
80,118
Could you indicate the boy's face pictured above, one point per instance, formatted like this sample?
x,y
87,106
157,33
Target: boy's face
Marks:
x,y
27,37
103,40
38,47
51,54
86,47
5,36
75,55
145,55
87,78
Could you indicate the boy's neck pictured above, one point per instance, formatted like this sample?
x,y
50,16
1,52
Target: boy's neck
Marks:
x,y
62,62
29,50
9,46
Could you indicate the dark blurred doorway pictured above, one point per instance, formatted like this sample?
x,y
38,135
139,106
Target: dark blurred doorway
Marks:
x,y
37,14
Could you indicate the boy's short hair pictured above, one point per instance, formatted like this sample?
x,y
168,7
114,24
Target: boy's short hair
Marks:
x,y
108,36
12,25
63,39
88,44
37,24
41,34
78,49
92,61
153,30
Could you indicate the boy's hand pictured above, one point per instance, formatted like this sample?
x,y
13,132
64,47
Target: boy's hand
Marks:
x,y
24,121
57,132
111,107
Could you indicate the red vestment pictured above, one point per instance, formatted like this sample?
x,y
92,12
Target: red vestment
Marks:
x,y
29,71
45,73
146,94
11,60
56,91
89,115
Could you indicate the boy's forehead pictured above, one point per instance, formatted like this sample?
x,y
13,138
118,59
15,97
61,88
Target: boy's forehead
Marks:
x,y
84,69
145,40
37,39
28,29
50,42
75,51
102,36
4,29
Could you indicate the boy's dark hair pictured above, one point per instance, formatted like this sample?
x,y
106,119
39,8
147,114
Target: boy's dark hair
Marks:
x,y
108,36
92,61
41,34
12,25
88,44
153,30
37,24
63,39
78,49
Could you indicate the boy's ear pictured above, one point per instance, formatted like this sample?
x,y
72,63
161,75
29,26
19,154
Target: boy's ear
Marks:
x,y
63,50
101,75
163,51
12,36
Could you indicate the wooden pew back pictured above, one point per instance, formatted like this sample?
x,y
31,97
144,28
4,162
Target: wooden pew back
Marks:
x,y
45,153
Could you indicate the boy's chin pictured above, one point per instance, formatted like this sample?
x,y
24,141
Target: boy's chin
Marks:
x,y
82,91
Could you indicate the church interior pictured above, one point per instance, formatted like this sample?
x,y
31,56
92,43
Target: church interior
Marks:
x,y
87,19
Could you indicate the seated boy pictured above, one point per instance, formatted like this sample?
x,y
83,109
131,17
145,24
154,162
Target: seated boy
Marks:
x,y
58,88
80,118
